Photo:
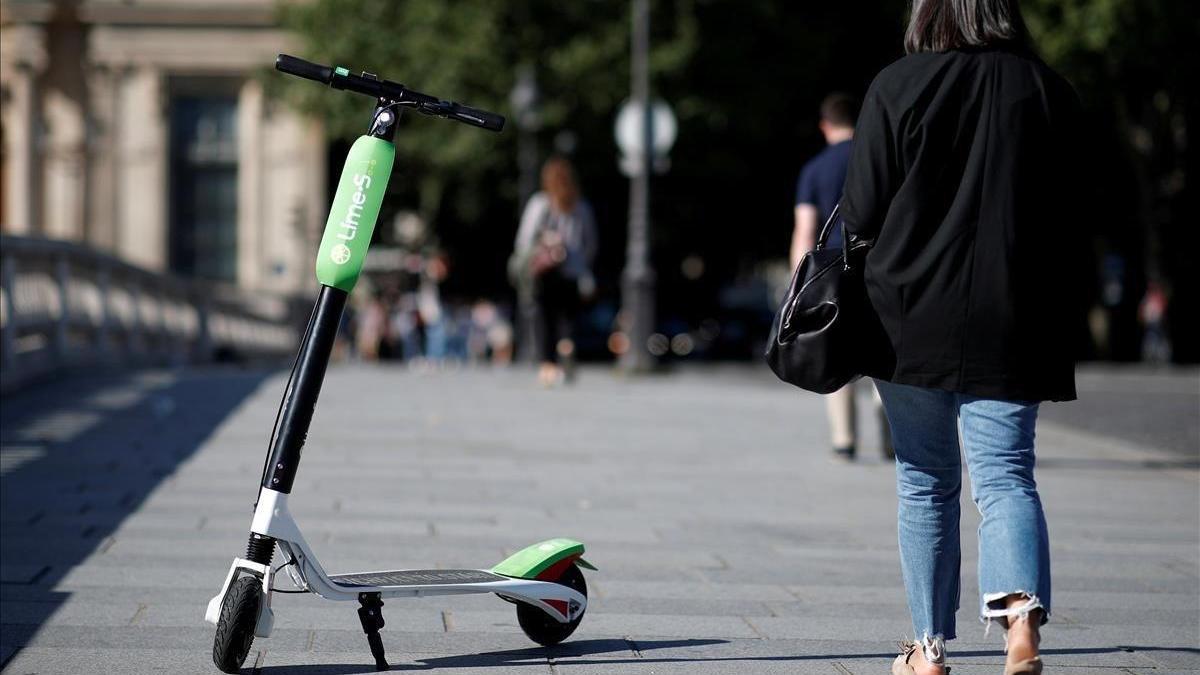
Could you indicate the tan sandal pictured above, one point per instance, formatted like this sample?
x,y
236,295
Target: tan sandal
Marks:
x,y
1031,666
901,666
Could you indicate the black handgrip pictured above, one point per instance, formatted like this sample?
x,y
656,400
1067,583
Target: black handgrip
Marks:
x,y
477,117
305,69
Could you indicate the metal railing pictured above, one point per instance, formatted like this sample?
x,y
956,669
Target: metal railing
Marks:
x,y
64,305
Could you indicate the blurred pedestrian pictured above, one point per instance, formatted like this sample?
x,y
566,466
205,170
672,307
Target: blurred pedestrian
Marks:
x,y
345,345
555,247
818,190
430,308
407,330
965,172
1152,312
372,334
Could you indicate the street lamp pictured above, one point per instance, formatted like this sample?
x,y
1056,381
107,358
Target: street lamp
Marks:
x,y
645,132
630,133
527,115
524,98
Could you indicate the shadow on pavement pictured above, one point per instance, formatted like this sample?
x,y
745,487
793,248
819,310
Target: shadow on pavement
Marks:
x,y
80,454
1117,464
518,657
566,654
1150,406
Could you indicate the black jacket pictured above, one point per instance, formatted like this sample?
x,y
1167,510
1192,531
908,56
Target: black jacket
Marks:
x,y
966,171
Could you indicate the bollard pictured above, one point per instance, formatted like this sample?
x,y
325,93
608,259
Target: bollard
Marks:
x,y
62,280
104,340
8,334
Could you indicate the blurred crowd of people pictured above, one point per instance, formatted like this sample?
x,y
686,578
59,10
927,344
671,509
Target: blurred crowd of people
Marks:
x,y
400,315
410,322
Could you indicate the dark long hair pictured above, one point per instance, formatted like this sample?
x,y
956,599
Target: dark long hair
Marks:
x,y
939,25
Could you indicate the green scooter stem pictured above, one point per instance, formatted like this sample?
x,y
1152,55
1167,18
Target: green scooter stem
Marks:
x,y
340,258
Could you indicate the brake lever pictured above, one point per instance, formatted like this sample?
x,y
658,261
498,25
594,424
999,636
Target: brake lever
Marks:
x,y
438,109
460,113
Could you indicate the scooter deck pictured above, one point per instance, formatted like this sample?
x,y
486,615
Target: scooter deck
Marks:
x,y
403,578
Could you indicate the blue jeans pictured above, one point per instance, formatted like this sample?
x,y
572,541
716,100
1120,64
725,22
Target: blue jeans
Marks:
x,y
1014,552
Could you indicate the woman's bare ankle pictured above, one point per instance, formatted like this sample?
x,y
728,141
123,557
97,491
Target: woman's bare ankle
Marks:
x,y
1024,636
923,666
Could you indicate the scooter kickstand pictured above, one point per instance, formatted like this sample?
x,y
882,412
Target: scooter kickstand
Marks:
x,y
371,616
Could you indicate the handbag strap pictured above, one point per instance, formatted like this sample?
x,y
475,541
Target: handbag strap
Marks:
x,y
827,228
823,237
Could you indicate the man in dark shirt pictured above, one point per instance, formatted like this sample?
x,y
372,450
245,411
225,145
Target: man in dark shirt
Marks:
x,y
820,185
817,191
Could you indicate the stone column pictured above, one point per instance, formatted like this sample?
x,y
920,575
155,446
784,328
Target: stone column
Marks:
x,y
289,159
316,203
142,161
65,165
22,192
252,246
101,226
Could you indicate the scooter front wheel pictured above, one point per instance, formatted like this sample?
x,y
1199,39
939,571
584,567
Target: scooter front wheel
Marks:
x,y
235,628
539,626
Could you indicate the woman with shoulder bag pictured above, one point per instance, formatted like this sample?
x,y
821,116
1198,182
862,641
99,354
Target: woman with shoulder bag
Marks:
x,y
552,263
964,173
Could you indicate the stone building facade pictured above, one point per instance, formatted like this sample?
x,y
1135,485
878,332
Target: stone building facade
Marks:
x,y
141,127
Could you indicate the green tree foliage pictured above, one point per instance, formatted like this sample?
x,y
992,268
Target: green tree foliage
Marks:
x,y
745,78
470,51
1136,66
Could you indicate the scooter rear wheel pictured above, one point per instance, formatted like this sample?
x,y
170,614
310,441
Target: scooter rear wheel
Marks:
x,y
541,627
235,628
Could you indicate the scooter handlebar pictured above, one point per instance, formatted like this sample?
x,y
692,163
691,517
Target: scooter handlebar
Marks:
x,y
301,68
341,78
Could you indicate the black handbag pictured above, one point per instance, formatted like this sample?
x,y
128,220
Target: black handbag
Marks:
x,y
826,334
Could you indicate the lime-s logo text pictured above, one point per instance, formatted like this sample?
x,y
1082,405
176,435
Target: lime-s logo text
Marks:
x,y
349,224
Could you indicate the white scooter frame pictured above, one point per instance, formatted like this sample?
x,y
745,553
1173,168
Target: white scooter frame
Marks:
x,y
272,519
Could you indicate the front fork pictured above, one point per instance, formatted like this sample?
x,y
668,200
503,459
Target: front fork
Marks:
x,y
344,245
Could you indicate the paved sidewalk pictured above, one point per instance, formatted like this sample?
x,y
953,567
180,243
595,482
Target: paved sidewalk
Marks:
x,y
726,540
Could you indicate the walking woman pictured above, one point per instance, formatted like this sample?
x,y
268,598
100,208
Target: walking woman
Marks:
x,y
964,172
552,263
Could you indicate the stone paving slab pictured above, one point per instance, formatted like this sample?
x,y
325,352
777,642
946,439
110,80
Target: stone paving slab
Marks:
x,y
75,661
324,663
727,541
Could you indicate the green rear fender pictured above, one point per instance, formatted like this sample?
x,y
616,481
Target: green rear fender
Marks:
x,y
532,561
355,208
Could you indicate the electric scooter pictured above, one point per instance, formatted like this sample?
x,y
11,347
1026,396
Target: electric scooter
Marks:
x,y
543,580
